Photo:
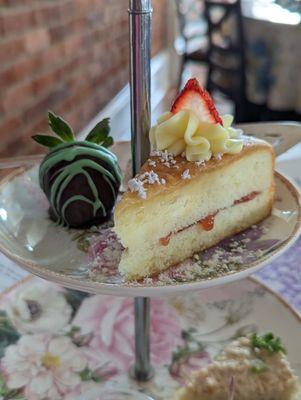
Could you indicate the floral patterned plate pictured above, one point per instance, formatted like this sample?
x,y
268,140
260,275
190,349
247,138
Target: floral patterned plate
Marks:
x,y
65,345
87,260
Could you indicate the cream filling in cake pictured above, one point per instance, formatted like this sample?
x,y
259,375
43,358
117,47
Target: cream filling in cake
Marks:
x,y
185,216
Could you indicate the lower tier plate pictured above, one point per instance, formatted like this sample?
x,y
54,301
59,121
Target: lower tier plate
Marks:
x,y
97,334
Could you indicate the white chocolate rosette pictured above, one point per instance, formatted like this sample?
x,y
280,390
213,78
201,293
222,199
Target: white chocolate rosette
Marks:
x,y
184,132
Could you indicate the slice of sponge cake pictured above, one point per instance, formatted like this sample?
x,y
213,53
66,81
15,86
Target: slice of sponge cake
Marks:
x,y
178,207
202,183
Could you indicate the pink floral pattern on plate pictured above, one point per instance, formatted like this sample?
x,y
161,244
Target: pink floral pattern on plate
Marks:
x,y
111,321
92,346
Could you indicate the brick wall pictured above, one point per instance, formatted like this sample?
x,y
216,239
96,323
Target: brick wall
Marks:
x,y
70,56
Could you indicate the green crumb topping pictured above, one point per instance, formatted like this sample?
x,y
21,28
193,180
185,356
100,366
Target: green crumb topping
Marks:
x,y
258,366
267,342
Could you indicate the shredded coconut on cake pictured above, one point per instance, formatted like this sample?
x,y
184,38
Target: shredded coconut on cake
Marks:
x,y
186,174
199,163
152,163
165,157
136,185
151,177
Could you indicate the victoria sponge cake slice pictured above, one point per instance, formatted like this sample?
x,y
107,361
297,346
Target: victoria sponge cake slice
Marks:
x,y
201,184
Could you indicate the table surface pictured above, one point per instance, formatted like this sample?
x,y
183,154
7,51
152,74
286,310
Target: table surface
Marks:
x,y
269,10
282,275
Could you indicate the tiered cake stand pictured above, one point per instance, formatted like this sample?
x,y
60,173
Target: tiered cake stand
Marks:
x,y
87,260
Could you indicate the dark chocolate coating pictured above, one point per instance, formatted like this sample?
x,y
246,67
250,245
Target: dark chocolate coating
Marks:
x,y
81,181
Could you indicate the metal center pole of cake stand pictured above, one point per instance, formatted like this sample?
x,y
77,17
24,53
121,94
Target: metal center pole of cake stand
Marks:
x,y
140,13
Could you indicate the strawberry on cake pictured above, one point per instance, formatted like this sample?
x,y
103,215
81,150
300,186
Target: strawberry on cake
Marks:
x,y
203,182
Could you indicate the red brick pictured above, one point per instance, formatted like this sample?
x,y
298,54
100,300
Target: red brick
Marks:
x,y
67,9
12,3
70,56
11,49
47,14
65,29
36,40
10,126
72,44
18,21
52,56
57,33
14,98
18,72
77,95
44,83
51,101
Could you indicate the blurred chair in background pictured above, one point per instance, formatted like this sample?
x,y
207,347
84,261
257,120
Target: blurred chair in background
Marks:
x,y
226,53
272,30
192,45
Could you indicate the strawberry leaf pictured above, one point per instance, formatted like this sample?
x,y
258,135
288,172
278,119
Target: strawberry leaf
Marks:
x,y
47,141
109,141
100,133
60,127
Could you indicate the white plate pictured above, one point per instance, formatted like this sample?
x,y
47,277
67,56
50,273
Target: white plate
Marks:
x,y
87,260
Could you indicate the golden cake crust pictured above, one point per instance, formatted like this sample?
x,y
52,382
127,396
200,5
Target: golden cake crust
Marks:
x,y
172,173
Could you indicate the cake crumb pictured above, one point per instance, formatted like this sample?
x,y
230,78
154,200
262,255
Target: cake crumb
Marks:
x,y
156,153
136,185
152,163
151,178
186,174
164,157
